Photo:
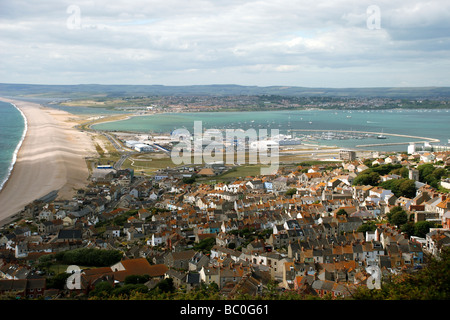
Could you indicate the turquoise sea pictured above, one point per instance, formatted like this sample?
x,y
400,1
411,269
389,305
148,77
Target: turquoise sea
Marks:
x,y
12,126
422,123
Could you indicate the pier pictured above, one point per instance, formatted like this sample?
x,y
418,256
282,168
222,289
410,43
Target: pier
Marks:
x,y
387,144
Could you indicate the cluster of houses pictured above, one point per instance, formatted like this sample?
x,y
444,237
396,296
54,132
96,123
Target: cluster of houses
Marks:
x,y
302,240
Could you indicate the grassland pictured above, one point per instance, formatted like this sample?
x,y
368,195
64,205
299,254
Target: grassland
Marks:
x,y
148,163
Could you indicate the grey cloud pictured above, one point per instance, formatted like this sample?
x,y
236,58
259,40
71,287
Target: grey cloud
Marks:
x,y
208,41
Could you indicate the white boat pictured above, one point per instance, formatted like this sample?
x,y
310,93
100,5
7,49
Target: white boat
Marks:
x,y
381,136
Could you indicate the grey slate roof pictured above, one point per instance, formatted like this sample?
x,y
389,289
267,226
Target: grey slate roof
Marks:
x,y
69,234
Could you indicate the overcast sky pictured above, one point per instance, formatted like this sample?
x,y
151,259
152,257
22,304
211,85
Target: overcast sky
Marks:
x,y
310,43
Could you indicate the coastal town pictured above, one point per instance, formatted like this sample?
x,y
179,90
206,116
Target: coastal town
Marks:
x,y
224,158
198,102
311,228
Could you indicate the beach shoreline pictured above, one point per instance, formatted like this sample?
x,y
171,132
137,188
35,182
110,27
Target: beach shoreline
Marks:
x,y
50,157
16,151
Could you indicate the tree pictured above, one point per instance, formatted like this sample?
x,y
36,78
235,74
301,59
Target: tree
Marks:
x,y
408,228
425,170
421,228
58,281
407,188
136,279
431,175
400,187
189,180
392,185
397,216
102,290
127,289
342,212
367,162
368,178
439,173
404,172
205,245
291,192
368,226
166,285
45,261
89,257
385,168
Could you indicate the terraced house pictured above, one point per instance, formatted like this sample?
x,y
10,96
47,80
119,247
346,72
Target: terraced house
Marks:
x,y
241,234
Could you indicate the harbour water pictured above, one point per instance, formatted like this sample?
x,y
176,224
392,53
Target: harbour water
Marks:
x,y
324,125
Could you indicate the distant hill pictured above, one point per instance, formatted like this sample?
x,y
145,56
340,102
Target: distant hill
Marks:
x,y
98,90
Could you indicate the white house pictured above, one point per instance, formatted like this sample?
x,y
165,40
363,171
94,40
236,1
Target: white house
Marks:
x,y
361,168
372,251
46,215
391,159
153,196
404,202
427,157
436,239
445,183
114,231
61,214
381,193
156,240
21,250
218,252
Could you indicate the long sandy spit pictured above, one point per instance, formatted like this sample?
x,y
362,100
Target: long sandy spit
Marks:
x,y
52,157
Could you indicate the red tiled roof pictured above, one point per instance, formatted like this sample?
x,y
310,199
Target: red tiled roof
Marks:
x,y
141,266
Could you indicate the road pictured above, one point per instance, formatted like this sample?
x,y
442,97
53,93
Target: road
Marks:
x,y
124,152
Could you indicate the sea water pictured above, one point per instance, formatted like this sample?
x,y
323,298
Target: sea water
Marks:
x,y
12,132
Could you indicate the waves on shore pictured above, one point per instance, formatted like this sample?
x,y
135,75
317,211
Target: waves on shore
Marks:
x,y
16,151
